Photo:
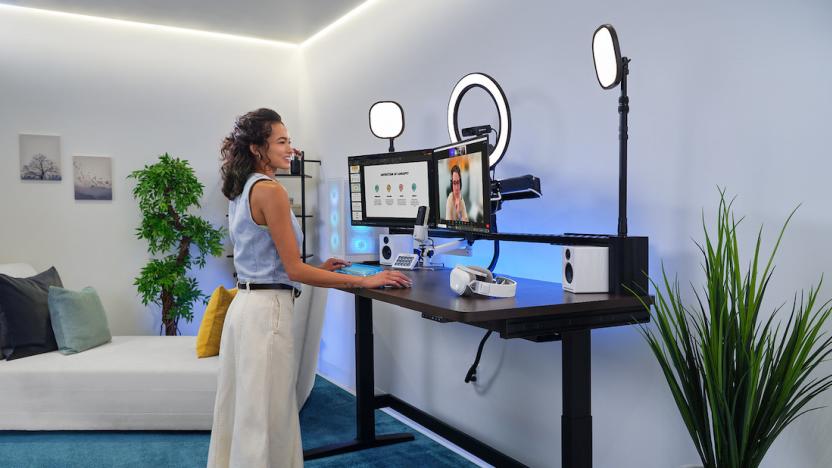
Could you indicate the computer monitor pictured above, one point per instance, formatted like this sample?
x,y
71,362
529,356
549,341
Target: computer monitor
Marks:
x,y
463,187
387,189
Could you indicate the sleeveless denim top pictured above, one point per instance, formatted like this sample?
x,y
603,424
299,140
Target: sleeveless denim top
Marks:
x,y
255,256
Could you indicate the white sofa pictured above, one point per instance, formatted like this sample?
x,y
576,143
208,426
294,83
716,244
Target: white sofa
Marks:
x,y
132,383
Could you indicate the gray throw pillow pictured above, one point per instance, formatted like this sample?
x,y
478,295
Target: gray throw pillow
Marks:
x,y
78,319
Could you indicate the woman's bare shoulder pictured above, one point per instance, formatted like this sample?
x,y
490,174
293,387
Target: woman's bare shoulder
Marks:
x,y
269,190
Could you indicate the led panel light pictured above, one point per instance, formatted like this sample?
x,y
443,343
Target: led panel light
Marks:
x,y
607,56
386,119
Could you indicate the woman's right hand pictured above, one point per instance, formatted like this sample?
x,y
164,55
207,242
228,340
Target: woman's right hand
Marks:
x,y
392,278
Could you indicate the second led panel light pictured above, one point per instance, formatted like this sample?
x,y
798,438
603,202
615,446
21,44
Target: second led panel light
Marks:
x,y
387,120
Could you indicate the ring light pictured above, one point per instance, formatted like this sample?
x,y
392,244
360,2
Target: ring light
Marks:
x,y
481,80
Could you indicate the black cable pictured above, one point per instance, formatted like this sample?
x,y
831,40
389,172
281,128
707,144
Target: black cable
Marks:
x,y
496,255
471,376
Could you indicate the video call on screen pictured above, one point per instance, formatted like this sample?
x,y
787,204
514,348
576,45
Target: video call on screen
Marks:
x,y
460,190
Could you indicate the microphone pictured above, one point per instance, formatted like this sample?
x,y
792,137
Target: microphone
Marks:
x,y
420,229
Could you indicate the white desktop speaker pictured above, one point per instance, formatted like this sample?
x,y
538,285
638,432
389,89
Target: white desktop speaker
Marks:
x,y
342,239
391,245
586,269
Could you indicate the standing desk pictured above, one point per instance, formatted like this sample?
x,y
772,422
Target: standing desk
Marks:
x,y
541,311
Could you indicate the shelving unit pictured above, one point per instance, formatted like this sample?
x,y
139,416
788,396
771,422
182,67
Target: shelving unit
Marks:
x,y
304,214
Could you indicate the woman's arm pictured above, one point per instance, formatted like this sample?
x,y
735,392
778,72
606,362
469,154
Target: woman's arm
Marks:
x,y
270,206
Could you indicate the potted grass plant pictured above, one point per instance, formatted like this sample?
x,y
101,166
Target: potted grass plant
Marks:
x,y
739,375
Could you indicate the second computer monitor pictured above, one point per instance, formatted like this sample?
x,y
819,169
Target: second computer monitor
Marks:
x,y
462,194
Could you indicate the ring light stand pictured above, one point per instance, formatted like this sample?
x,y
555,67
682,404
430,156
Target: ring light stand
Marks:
x,y
520,187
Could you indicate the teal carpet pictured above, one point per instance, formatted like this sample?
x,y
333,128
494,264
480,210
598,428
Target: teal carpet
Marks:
x,y
328,417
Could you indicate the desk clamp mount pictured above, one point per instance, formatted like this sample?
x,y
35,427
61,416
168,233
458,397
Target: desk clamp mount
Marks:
x,y
428,248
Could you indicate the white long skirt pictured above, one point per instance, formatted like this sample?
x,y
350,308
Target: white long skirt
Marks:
x,y
255,414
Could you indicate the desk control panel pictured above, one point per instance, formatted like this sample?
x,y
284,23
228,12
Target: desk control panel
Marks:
x,y
406,261
435,318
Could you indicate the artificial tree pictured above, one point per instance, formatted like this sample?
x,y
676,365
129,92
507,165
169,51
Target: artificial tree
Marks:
x,y
166,191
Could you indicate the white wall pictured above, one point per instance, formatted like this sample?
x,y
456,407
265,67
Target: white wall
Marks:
x,y
130,93
722,94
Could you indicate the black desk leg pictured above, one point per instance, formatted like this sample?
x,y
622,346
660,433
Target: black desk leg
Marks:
x,y
365,418
576,422
364,370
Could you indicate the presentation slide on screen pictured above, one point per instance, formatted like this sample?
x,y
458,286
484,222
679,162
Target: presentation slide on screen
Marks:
x,y
396,190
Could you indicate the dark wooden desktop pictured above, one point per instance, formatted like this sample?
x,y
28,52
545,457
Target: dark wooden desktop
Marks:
x,y
540,311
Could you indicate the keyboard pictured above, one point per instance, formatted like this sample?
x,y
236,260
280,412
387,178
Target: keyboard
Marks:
x,y
360,269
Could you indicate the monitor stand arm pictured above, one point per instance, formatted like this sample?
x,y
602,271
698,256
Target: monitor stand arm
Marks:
x,y
456,247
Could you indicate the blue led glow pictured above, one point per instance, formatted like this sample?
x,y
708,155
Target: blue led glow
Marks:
x,y
333,218
335,241
361,245
333,195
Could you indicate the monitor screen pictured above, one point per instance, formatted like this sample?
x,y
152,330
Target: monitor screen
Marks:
x,y
388,189
463,187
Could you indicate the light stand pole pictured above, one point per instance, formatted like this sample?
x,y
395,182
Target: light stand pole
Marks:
x,y
623,109
612,69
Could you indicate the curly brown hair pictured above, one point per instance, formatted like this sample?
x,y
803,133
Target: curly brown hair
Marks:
x,y
238,162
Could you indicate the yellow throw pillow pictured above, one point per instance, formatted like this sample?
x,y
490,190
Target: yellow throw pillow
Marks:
x,y
210,330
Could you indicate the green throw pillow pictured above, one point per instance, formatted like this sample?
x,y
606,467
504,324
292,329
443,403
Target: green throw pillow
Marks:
x,y
78,319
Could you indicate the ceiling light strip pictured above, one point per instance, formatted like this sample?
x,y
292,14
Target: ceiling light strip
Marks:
x,y
348,16
148,26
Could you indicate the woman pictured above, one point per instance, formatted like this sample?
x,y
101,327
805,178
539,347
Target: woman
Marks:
x,y
255,414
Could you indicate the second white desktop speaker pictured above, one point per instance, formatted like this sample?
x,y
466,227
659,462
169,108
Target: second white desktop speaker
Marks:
x,y
586,269
391,245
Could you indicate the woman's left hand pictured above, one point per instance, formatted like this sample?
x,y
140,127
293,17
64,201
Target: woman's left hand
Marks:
x,y
333,264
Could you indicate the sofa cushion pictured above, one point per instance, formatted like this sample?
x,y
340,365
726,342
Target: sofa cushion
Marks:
x,y
78,319
25,327
210,330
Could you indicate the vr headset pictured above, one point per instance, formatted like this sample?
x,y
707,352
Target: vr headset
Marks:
x,y
474,280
